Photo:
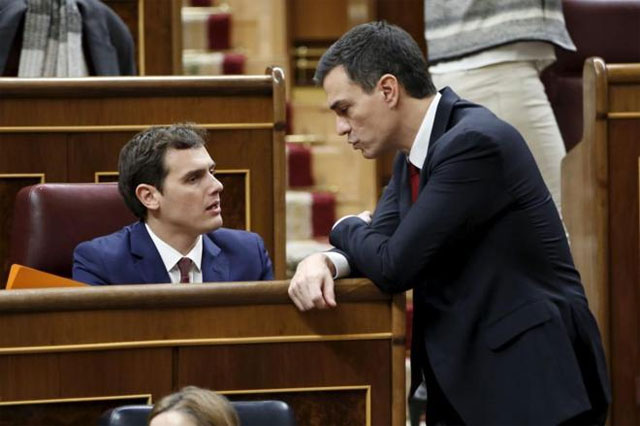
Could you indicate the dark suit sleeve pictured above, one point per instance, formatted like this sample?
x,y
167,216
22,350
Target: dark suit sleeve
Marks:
x,y
385,220
87,265
265,260
387,215
464,189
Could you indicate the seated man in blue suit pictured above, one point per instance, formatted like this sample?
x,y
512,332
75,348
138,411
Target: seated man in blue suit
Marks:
x,y
167,179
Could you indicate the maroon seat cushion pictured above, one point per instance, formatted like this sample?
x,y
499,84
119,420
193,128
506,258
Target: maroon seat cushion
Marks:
x,y
51,219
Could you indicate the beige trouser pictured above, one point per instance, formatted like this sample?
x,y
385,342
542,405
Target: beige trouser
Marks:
x,y
513,91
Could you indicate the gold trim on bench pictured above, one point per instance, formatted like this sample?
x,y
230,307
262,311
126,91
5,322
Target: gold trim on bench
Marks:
x,y
90,398
97,175
366,388
129,127
623,115
310,139
141,46
23,175
192,342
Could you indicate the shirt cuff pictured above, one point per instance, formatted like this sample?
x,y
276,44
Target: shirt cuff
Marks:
x,y
340,262
343,218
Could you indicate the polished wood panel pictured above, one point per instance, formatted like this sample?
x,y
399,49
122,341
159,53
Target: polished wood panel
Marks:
x,y
237,213
585,181
156,29
601,198
407,14
10,184
71,129
310,366
85,374
246,340
319,20
24,162
624,237
63,412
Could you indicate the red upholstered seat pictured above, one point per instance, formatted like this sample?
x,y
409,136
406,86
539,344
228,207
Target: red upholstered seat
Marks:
x,y
299,165
233,63
51,219
608,29
219,31
323,214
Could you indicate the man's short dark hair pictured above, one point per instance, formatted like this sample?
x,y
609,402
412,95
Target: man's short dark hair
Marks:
x,y
142,159
369,51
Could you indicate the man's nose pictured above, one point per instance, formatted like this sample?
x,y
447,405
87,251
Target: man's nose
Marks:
x,y
342,126
216,185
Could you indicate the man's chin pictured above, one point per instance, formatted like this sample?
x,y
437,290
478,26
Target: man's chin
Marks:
x,y
214,225
369,155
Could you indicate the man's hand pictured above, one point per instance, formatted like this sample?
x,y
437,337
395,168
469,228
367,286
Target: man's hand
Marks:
x,y
312,285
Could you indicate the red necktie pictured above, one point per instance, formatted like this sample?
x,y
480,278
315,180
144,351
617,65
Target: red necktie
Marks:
x,y
414,179
184,265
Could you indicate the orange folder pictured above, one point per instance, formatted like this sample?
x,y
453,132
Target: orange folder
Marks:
x,y
25,277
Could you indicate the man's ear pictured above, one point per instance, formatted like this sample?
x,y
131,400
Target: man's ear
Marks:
x,y
389,88
148,195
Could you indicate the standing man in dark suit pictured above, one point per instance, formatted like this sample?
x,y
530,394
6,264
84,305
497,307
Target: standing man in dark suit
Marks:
x,y
167,179
502,331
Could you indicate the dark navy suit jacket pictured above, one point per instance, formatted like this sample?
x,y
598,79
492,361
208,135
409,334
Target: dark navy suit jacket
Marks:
x,y
129,256
500,314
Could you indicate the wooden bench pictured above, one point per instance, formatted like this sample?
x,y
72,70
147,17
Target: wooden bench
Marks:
x,y
66,355
600,203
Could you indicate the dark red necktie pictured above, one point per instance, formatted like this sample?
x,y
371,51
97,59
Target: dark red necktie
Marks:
x,y
414,179
184,265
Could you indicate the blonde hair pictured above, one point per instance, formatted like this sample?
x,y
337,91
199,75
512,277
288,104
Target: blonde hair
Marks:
x,y
206,407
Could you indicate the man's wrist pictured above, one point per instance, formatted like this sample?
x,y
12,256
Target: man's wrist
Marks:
x,y
330,264
339,264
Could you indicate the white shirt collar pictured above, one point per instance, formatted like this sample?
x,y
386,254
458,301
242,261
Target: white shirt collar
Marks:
x,y
418,152
171,256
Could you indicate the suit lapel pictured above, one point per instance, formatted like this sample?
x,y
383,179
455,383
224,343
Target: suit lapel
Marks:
x,y
443,114
215,265
404,189
146,257
440,125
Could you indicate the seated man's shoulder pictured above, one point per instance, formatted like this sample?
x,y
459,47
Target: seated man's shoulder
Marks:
x,y
110,244
104,260
246,253
234,238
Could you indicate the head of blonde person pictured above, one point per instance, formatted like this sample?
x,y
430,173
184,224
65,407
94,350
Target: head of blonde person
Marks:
x,y
193,406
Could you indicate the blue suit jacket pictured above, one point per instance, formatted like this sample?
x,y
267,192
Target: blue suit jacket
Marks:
x,y
500,314
129,256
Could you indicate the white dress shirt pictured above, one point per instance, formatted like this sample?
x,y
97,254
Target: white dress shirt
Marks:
x,y
171,256
417,157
